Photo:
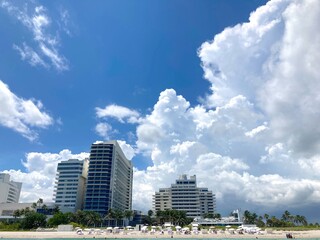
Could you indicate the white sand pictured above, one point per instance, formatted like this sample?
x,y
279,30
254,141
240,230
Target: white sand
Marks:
x,y
136,234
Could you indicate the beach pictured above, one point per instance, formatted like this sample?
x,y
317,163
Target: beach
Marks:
x,y
138,234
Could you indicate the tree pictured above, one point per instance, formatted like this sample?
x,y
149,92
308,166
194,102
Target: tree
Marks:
x,y
118,215
300,220
34,205
17,213
260,222
40,202
181,218
92,218
33,220
286,216
128,214
216,216
249,218
79,217
109,216
57,219
56,209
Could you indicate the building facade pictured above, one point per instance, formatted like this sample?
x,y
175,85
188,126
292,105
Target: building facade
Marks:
x,y
70,185
9,190
109,183
184,195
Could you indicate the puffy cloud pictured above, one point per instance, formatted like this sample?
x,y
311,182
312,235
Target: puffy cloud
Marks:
x,y
103,130
291,96
39,175
253,141
22,115
39,23
255,138
118,112
128,151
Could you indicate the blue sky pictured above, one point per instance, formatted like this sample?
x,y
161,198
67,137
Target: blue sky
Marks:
x,y
212,88
116,52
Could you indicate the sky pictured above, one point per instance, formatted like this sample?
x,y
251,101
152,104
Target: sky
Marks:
x,y
226,90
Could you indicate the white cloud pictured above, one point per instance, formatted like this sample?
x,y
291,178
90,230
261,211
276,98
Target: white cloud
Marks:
x,y
128,151
118,112
255,138
38,178
254,141
27,53
22,115
256,131
103,130
39,23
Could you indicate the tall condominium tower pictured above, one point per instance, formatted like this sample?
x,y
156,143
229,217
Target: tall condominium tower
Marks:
x,y
70,184
9,190
185,196
109,183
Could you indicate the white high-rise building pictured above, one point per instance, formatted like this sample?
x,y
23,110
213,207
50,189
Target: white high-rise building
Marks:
x,y
9,190
185,196
109,184
70,184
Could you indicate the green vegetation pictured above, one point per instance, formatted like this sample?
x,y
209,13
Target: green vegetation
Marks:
x,y
173,216
29,218
287,220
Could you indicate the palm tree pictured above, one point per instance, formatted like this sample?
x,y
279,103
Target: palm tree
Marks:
x,y
128,214
56,209
181,218
160,216
118,215
80,217
167,215
286,216
92,218
300,220
109,216
17,213
40,202
246,216
34,205
150,213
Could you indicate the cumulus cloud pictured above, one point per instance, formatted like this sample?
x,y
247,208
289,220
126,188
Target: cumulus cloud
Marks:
x,y
127,149
22,115
255,137
39,174
38,22
103,130
118,112
254,140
